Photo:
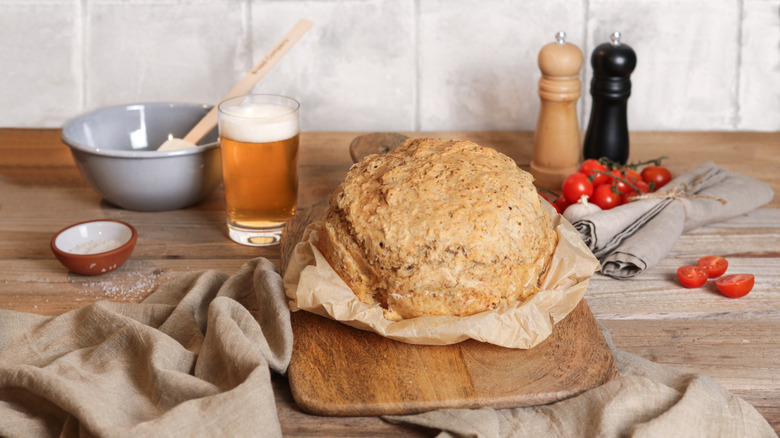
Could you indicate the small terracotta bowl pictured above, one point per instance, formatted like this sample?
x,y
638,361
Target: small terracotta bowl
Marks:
x,y
94,247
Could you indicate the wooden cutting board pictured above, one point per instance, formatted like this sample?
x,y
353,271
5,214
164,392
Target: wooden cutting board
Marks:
x,y
337,370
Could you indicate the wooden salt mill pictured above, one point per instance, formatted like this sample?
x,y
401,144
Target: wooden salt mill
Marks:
x,y
607,133
556,151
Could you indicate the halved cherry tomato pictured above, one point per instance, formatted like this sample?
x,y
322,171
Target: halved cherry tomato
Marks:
x,y
656,176
735,285
605,197
575,186
692,276
592,169
714,265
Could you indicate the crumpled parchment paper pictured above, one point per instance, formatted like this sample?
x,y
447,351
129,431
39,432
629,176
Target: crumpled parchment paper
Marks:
x,y
312,285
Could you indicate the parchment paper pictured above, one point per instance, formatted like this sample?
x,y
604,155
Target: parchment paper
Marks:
x,y
312,285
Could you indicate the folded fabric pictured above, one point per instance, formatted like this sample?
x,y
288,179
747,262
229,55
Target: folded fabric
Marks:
x,y
194,359
648,400
633,237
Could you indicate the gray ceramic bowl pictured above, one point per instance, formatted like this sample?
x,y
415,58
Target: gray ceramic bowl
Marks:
x,y
115,151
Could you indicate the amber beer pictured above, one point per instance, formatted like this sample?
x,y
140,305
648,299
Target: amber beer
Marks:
x,y
264,195
259,136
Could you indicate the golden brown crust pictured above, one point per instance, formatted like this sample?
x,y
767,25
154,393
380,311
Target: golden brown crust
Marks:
x,y
438,228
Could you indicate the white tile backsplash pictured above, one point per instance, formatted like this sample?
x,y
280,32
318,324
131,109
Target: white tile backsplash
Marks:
x,y
478,65
40,62
190,51
370,65
354,69
759,66
687,56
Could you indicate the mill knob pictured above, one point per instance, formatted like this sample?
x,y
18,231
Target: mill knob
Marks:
x,y
556,149
607,133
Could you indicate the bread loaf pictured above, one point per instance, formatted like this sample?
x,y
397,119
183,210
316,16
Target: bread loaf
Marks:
x,y
438,227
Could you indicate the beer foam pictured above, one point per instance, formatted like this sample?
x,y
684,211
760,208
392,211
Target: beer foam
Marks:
x,y
258,123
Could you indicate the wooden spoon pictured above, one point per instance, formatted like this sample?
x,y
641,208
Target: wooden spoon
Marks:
x,y
209,121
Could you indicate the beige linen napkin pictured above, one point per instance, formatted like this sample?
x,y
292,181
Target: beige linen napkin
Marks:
x,y
633,237
192,360
648,400
195,358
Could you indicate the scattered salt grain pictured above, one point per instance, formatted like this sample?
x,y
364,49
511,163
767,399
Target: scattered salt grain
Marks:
x,y
132,282
96,246
134,287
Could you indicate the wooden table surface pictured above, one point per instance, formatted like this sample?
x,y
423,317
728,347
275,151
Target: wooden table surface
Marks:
x,y
734,341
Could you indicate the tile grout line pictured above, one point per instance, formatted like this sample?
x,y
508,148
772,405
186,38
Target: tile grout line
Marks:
x,y
248,35
417,74
80,63
585,88
737,115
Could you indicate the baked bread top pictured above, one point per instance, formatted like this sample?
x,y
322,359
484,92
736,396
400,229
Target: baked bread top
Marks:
x,y
438,227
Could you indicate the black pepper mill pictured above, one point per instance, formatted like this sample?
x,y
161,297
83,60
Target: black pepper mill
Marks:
x,y
607,133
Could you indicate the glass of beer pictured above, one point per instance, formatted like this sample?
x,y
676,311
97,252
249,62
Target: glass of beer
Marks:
x,y
258,135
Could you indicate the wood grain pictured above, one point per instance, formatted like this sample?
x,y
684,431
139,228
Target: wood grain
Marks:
x,y
339,370
733,341
374,143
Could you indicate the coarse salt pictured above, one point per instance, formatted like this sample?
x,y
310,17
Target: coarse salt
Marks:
x,y
96,246
131,286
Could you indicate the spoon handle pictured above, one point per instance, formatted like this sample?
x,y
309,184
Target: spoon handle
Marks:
x,y
209,121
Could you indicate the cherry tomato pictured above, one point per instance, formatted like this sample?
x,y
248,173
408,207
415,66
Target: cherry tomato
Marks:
x,y
605,197
714,265
641,185
735,285
692,276
575,186
618,183
631,174
592,168
561,203
656,176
